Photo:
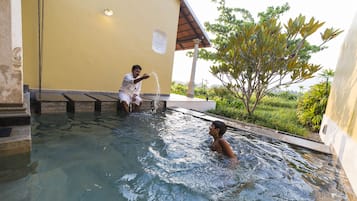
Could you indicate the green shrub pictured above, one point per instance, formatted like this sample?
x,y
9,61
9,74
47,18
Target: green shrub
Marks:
x,y
177,88
287,95
277,101
181,89
312,105
222,92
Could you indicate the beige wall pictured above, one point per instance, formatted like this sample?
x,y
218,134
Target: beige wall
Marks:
x,y
339,125
342,103
85,50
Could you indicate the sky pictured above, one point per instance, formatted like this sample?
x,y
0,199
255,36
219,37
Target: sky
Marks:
x,y
337,14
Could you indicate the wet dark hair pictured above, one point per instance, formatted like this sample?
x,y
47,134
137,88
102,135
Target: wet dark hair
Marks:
x,y
136,67
221,125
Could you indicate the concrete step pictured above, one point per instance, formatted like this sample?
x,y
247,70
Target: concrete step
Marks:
x,y
16,115
79,103
15,129
104,103
50,103
62,102
18,141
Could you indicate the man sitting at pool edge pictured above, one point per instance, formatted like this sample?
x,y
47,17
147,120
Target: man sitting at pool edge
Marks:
x,y
217,130
129,92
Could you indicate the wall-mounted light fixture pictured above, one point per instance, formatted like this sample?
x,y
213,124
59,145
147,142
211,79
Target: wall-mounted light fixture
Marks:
x,y
108,12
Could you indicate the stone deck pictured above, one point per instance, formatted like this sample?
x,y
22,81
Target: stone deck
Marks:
x,y
79,103
15,130
104,103
75,102
50,103
175,100
18,142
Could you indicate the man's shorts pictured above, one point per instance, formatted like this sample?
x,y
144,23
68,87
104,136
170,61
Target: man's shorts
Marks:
x,y
125,97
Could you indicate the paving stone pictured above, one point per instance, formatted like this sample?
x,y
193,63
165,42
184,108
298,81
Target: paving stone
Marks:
x,y
104,103
79,103
50,103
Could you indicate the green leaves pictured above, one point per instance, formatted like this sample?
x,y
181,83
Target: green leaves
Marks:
x,y
330,34
309,28
251,58
312,106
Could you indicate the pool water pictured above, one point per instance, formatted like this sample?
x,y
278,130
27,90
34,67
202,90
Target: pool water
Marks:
x,y
147,156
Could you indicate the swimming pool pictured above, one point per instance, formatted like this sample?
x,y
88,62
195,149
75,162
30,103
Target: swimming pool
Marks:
x,y
165,157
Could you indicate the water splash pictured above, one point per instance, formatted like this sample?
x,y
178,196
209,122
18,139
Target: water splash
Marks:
x,y
157,95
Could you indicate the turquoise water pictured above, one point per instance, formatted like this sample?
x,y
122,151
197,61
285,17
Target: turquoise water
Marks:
x,y
165,157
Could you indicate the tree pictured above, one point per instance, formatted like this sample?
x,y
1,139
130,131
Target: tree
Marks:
x,y
252,58
327,74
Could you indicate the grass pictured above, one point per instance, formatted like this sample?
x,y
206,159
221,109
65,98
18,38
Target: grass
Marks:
x,y
273,112
276,110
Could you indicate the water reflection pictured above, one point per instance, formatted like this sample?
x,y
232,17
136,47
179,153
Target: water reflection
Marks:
x,y
147,156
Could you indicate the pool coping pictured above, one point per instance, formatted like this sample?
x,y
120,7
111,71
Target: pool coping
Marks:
x,y
258,130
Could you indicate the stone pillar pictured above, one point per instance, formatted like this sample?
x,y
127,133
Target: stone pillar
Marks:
x,y
11,70
15,115
13,109
191,84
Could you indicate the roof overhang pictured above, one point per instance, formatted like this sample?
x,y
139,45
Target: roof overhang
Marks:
x,y
189,28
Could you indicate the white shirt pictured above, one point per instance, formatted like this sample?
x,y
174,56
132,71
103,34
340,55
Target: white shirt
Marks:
x,y
128,85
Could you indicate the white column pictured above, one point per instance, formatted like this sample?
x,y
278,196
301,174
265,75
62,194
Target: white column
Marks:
x,y
11,70
191,84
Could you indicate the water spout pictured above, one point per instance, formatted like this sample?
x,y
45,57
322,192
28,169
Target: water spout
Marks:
x,y
155,103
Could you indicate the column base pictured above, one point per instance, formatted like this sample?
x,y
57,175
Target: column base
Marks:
x,y
16,115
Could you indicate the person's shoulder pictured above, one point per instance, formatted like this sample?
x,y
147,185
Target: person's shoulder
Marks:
x,y
224,143
222,140
129,76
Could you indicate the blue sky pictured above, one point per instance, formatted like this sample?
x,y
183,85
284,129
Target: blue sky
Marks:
x,y
336,14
